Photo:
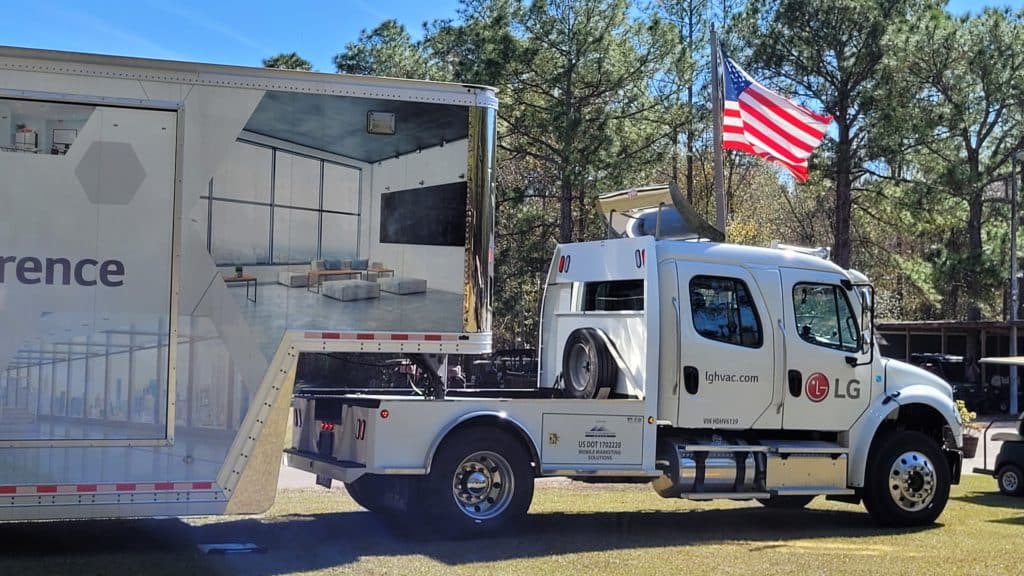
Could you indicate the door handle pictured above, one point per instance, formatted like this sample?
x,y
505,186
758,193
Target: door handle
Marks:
x,y
796,381
690,375
679,345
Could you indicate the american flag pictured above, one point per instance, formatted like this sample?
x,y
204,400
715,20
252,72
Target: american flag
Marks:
x,y
760,122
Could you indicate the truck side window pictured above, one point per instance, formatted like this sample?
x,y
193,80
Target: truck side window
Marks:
x,y
723,310
613,295
824,316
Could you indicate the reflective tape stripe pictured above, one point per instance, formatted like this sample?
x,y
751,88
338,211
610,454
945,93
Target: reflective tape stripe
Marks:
x,y
116,487
384,336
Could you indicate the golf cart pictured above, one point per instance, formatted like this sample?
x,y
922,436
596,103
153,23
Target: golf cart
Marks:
x,y
1009,464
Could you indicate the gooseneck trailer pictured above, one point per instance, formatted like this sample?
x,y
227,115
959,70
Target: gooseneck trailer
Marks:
x,y
145,198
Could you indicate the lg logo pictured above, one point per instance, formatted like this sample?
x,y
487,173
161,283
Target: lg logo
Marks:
x,y
817,388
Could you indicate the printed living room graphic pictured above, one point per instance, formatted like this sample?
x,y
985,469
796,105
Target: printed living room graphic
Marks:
x,y
312,229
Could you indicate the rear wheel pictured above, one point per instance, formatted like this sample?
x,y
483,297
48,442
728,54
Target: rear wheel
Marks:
x,y
786,502
1011,480
480,482
907,481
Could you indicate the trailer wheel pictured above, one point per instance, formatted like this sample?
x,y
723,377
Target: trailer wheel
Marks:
x,y
786,502
907,481
480,482
1011,480
587,365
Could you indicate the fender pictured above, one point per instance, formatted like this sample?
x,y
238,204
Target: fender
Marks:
x,y
885,407
500,415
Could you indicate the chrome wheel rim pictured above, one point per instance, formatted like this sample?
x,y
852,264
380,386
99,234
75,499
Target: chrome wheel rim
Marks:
x,y
580,366
483,485
912,481
1010,481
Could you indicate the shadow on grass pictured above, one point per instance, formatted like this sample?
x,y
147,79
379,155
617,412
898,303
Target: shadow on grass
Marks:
x,y
299,543
991,499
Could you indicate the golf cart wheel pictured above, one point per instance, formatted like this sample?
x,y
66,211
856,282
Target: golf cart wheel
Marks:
x,y
1011,480
587,365
480,483
786,502
907,481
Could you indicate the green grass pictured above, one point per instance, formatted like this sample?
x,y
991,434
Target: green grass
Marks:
x,y
573,529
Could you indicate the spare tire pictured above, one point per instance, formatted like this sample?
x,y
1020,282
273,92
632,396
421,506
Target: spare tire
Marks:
x,y
588,369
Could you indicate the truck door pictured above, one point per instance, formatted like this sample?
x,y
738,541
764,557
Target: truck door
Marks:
x,y
824,390
727,348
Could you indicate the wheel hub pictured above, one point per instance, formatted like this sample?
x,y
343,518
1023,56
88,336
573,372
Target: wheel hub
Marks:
x,y
1010,481
912,481
477,483
482,485
580,362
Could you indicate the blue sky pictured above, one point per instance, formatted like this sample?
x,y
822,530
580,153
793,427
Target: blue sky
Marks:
x,y
227,31
218,31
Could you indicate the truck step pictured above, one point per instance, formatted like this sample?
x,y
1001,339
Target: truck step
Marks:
x,y
822,491
724,448
724,495
804,447
324,459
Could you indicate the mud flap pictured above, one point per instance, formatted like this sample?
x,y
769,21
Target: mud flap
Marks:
x,y
325,447
955,458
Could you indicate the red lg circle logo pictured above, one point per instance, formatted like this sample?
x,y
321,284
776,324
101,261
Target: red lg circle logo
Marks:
x,y
817,387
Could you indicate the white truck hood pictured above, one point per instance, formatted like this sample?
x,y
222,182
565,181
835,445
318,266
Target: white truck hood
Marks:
x,y
901,374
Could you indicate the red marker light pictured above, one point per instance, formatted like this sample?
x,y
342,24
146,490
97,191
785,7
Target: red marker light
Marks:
x,y
326,426
384,413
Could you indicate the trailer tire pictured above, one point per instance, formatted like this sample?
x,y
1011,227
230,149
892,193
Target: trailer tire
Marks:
x,y
587,365
786,502
480,483
1011,480
907,481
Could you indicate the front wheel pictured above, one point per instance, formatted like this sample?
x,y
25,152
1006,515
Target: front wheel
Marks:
x,y
908,480
480,482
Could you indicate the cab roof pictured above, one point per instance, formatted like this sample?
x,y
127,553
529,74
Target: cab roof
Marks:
x,y
751,256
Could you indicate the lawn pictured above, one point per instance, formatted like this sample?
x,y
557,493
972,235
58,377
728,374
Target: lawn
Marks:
x,y
573,529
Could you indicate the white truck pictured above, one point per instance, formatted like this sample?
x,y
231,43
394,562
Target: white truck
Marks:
x,y
709,370
176,236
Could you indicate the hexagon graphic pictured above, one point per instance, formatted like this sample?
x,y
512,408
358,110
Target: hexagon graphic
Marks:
x,y
110,173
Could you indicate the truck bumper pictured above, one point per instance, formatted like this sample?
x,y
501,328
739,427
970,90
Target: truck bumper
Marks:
x,y
326,467
955,458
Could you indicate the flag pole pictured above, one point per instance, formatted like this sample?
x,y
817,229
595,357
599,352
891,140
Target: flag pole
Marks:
x,y
716,115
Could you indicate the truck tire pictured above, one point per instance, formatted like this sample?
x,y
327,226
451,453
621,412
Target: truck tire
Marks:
x,y
587,365
480,483
786,502
1011,480
907,481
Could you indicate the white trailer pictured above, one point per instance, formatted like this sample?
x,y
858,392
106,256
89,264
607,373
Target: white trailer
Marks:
x,y
175,234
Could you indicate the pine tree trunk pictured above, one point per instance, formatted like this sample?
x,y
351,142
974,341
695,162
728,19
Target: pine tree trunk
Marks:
x,y
844,198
